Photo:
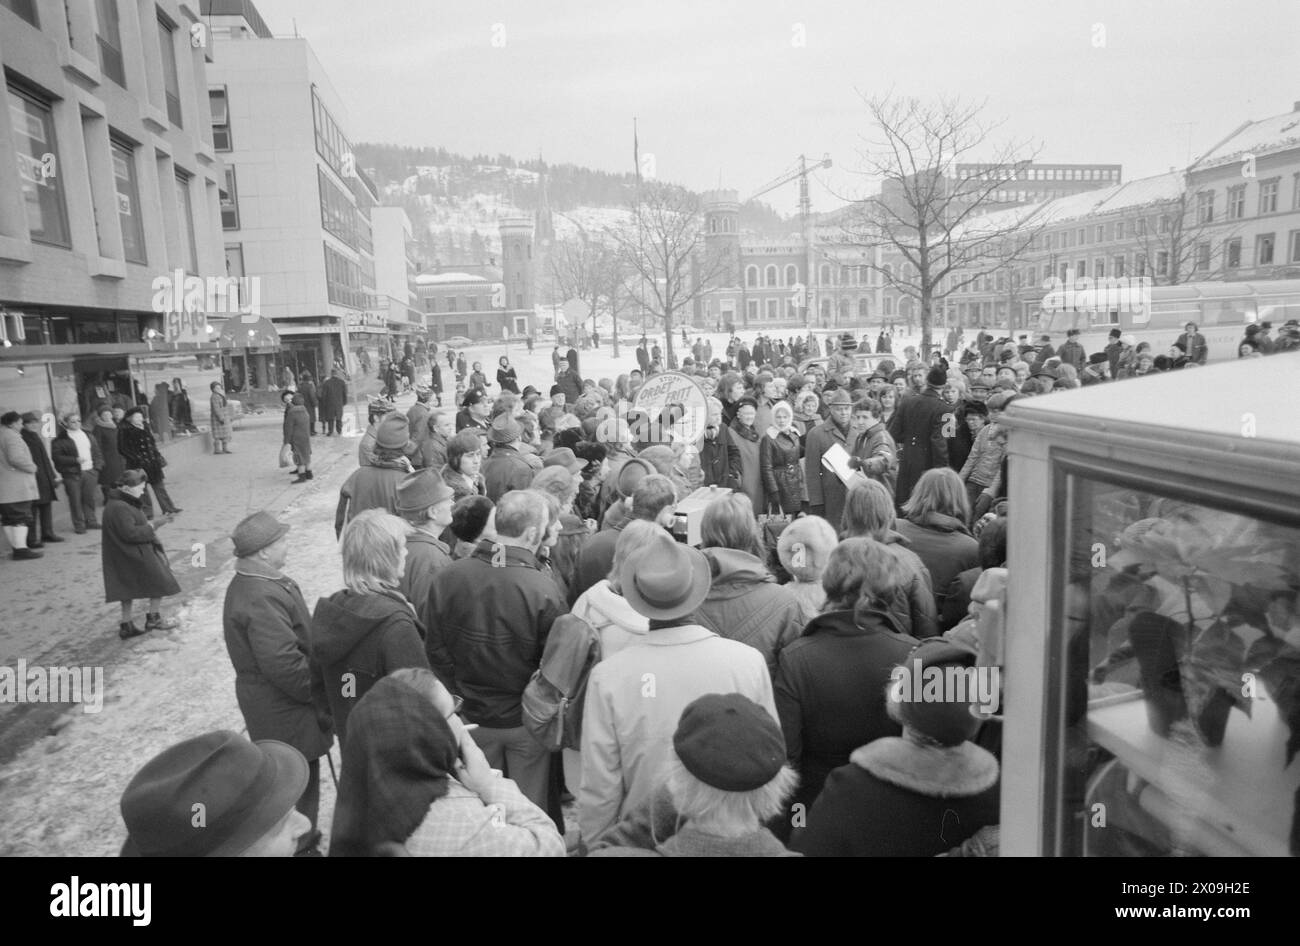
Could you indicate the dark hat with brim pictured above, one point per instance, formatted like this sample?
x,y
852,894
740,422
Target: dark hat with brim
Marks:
x,y
420,490
564,457
665,581
245,789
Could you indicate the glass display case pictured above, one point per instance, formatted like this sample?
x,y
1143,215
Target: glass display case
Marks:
x,y
1153,633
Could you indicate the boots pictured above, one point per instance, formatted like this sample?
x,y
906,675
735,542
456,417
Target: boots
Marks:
x,y
128,629
17,536
25,553
154,622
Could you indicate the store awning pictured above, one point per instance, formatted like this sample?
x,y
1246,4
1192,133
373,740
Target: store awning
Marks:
x,y
249,331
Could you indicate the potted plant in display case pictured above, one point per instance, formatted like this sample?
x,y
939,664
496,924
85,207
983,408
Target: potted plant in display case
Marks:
x,y
1212,616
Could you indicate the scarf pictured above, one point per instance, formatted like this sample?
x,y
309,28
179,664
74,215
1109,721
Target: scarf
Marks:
x,y
397,761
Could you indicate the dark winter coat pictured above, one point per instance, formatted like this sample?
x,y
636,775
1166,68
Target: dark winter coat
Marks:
x,y
487,628
571,384
918,428
297,433
876,455
746,440
268,637
134,563
746,604
425,554
106,437
1197,350
332,397
945,547
899,799
45,475
824,488
1072,353
830,692
140,451
504,470
310,397
433,452
720,460
783,485
355,641
508,380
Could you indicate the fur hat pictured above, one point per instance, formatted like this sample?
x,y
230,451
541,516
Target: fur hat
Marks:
x,y
805,547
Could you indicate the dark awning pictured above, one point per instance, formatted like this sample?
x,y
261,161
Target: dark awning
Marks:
x,y
249,331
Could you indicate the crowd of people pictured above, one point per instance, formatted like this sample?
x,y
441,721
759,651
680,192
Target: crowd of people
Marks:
x,y
522,628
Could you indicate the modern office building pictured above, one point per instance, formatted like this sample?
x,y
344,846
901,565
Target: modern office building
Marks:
x,y
111,203
297,208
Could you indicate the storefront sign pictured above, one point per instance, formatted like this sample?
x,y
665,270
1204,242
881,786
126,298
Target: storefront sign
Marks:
x,y
186,328
368,320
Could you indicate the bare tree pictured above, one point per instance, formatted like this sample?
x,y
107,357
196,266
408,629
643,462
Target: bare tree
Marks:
x,y
593,271
1175,235
933,226
666,253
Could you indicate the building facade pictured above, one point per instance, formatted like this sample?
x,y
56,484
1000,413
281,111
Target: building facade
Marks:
x,y
111,203
485,303
296,211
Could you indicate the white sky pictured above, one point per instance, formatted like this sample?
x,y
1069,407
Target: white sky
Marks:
x,y
721,90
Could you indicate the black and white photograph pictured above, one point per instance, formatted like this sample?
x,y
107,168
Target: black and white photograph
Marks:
x,y
433,428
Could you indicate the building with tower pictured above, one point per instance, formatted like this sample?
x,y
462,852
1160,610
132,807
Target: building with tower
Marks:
x,y
484,303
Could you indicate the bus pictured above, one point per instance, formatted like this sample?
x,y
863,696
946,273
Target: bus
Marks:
x,y
1157,314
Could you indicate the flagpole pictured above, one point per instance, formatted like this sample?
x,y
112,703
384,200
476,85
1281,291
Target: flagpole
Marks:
x,y
640,244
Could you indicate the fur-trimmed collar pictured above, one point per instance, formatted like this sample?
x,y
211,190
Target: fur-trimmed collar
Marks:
x,y
936,771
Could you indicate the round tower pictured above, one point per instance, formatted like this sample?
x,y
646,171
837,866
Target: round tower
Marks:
x,y
722,230
517,261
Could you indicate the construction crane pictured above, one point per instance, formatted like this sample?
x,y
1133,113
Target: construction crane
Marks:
x,y
805,217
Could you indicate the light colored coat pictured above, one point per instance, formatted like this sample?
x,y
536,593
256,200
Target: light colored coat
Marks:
x,y
634,703
17,469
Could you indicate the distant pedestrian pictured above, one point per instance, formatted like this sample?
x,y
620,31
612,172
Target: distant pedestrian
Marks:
x,y
140,452
77,459
506,377
310,398
219,418
47,483
160,412
17,486
134,563
182,412
332,399
297,434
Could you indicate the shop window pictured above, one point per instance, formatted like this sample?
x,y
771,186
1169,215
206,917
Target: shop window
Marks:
x,y
39,172
1175,646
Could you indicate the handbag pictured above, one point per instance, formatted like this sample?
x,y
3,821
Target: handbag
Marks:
x,y
286,456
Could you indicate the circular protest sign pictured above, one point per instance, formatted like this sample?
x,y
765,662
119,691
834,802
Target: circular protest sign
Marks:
x,y
674,406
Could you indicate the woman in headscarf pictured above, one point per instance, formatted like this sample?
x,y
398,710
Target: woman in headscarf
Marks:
x,y
779,460
297,434
416,784
134,564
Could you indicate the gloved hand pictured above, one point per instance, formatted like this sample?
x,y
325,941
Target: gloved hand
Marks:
x,y
817,510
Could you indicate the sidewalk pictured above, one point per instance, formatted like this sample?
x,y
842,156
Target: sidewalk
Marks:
x,y
54,613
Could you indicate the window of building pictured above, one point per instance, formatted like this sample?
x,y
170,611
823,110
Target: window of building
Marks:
x,y
430,305
1162,263
217,102
171,74
1064,273
1202,256
1030,273
751,276
451,304
1099,234
825,274
338,215
108,35
1264,249
1118,263
343,280
1205,207
24,8
235,259
771,305
519,300
751,309
1295,191
889,305
1268,196
39,170
1163,225
1081,236
128,202
1141,224
1142,267
1099,267
229,202
844,275
332,145
864,308
1081,268
791,275
1232,253
1237,202
471,303
1293,255
185,208
769,275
